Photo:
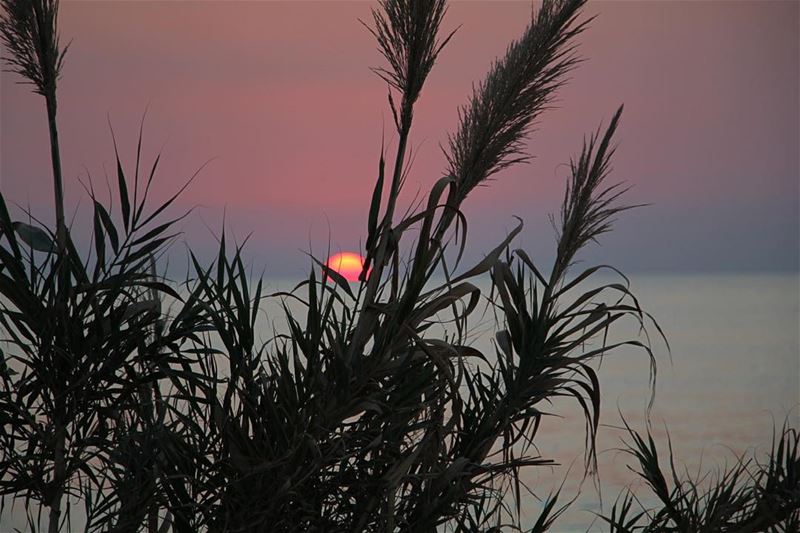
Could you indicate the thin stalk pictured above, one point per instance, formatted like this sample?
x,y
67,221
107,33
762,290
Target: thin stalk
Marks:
x,y
58,186
152,513
59,461
59,475
360,335
152,519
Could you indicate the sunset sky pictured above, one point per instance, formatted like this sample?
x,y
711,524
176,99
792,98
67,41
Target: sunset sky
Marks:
x,y
280,95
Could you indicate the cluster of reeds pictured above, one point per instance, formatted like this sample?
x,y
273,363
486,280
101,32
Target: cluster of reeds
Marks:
x,y
752,495
145,405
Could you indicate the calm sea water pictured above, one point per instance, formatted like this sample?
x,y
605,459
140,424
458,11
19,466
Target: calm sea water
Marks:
x,y
734,376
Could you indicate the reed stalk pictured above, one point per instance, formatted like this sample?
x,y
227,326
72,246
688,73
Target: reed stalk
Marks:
x,y
407,32
29,30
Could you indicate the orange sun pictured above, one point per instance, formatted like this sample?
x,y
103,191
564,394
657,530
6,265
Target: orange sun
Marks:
x,y
348,264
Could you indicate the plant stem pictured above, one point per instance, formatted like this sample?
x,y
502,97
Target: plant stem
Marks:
x,y
360,335
59,463
59,473
58,187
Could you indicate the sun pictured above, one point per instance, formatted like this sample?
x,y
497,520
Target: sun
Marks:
x,y
348,264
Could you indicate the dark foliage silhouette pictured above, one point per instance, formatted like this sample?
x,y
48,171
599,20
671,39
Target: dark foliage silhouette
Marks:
x,y
142,404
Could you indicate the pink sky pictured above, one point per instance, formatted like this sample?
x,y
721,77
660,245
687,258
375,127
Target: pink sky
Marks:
x,y
280,94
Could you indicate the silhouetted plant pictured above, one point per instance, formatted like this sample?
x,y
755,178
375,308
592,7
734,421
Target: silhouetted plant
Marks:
x,y
750,496
162,407
85,338
29,30
364,421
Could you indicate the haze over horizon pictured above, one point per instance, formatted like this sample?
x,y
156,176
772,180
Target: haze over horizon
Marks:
x,y
281,95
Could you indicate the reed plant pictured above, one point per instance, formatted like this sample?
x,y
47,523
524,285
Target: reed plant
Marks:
x,y
752,495
157,406
29,30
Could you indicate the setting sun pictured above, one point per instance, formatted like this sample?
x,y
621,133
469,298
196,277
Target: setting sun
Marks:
x,y
348,264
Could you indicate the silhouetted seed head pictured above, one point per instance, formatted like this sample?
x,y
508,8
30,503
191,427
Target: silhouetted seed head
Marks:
x,y
406,32
589,204
518,87
29,32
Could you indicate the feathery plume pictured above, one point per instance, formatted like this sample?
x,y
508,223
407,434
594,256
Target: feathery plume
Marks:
x,y
503,107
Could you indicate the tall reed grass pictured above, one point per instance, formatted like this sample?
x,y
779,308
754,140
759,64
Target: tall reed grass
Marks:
x,y
370,411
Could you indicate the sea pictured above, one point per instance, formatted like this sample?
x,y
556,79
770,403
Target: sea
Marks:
x,y
727,383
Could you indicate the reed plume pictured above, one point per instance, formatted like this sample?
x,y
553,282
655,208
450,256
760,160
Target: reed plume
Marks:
x,y
29,31
407,34
589,205
517,89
